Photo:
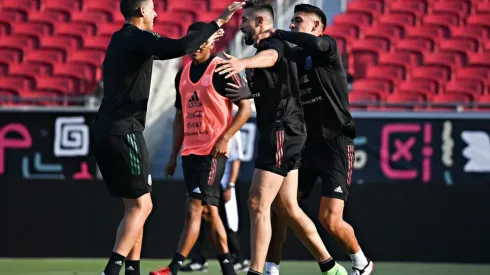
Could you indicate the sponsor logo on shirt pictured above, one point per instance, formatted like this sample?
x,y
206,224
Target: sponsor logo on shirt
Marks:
x,y
308,63
194,101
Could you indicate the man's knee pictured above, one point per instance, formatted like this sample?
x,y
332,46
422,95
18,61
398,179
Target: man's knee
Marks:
x,y
256,205
194,209
330,221
142,204
210,212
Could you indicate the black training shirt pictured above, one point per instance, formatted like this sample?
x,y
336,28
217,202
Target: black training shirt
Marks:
x,y
275,91
196,71
323,85
127,72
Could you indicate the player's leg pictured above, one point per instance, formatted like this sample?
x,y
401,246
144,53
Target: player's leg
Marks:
x,y
306,181
124,164
287,207
133,260
211,196
199,255
336,177
264,188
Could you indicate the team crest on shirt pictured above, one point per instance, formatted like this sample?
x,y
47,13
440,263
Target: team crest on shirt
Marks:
x,y
308,63
184,82
206,80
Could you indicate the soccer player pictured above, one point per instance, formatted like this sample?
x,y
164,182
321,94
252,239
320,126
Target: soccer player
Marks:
x,y
203,126
329,149
274,84
118,143
228,209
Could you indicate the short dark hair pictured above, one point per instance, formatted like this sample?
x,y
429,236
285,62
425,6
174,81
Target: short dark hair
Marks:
x,y
129,8
260,5
196,26
312,9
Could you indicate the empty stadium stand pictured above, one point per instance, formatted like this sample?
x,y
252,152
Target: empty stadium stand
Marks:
x,y
54,48
410,53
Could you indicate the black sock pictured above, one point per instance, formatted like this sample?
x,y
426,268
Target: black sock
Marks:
x,y
252,272
176,263
132,268
114,264
226,263
327,265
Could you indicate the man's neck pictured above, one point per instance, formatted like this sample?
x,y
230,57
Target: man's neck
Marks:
x,y
202,61
137,22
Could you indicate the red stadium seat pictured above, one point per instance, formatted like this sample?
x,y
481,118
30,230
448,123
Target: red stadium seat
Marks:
x,y
483,8
449,101
394,74
443,20
61,5
373,9
22,5
464,86
10,56
65,43
35,30
17,42
362,53
474,33
434,73
449,60
75,29
479,59
43,98
400,20
475,73
107,7
407,100
92,57
96,42
364,97
93,18
487,47
433,33
460,45
354,19
416,9
379,86
47,16
108,29
62,85
418,86
478,20
166,29
11,15
31,70
387,32
187,5
404,60
4,29
415,45
216,4
16,83
48,56
341,30
454,8
75,70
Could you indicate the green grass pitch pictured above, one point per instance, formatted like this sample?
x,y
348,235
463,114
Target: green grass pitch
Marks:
x,y
95,266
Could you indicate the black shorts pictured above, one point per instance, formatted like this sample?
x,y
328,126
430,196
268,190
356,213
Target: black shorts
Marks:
x,y
124,164
332,161
202,176
279,151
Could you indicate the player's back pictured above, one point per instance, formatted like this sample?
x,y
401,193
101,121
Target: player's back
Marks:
x,y
276,93
126,75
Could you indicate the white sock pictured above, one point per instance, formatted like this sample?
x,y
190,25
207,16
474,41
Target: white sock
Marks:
x,y
359,260
271,268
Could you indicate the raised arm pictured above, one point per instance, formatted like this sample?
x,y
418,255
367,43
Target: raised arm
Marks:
x,y
306,41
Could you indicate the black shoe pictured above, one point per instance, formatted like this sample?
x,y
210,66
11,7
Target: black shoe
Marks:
x,y
195,267
241,266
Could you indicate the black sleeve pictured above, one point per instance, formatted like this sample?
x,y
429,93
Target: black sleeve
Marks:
x,y
272,43
323,44
219,82
167,48
178,100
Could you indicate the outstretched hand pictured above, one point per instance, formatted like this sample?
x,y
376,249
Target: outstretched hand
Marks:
x,y
229,11
213,39
230,66
264,35
240,91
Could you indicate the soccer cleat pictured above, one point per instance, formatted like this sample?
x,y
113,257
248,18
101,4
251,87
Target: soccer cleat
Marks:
x,y
161,271
336,270
241,266
367,270
195,267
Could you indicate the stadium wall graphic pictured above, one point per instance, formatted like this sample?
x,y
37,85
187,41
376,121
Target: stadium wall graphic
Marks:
x,y
420,190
